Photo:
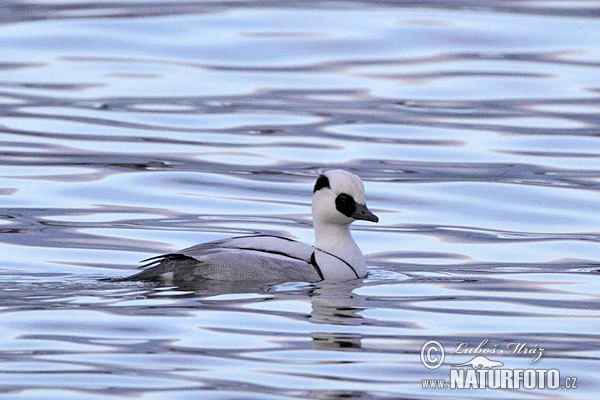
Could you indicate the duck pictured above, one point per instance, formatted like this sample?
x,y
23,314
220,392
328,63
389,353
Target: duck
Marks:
x,y
338,200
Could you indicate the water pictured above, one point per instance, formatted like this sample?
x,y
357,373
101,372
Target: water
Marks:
x,y
129,129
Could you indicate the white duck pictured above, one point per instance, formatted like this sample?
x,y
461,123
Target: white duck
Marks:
x,y
338,200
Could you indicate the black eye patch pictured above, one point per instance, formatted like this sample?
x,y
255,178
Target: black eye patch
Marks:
x,y
345,204
322,182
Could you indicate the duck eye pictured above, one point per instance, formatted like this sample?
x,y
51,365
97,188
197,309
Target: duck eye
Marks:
x,y
345,204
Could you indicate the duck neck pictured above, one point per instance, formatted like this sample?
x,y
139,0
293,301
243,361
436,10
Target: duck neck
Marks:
x,y
337,239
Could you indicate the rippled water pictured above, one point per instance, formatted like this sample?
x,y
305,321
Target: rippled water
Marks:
x,y
128,129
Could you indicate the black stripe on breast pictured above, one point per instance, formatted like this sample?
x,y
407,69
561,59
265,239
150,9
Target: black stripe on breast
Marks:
x,y
313,262
342,260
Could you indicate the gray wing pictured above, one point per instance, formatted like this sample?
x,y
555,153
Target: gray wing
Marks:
x,y
247,266
267,244
254,258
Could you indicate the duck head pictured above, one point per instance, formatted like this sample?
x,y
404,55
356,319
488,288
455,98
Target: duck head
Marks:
x,y
339,198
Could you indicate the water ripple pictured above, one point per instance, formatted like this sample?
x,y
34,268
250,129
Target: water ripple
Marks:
x,y
135,128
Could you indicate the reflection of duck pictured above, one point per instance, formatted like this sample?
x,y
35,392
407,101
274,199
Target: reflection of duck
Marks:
x,y
336,341
337,304
338,200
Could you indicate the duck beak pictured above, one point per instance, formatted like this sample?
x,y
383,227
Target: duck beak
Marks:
x,y
363,213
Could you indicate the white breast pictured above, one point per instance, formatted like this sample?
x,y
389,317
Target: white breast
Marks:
x,y
335,268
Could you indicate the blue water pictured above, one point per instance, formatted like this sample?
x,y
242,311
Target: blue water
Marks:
x,y
130,129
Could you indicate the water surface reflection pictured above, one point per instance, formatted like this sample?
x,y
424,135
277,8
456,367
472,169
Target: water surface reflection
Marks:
x,y
132,129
